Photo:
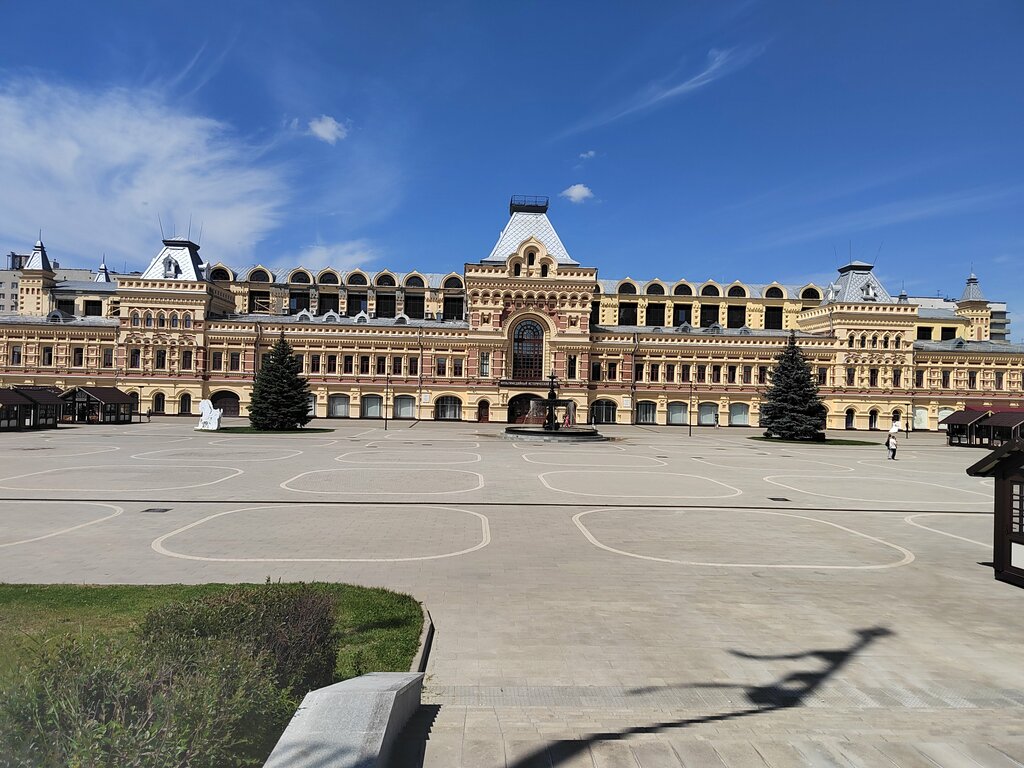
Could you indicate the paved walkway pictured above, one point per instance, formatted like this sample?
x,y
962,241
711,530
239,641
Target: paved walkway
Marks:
x,y
654,601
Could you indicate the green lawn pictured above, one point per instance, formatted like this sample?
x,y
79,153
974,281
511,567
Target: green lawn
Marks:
x,y
379,629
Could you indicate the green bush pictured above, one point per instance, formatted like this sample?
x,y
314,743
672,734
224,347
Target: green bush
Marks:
x,y
292,623
117,703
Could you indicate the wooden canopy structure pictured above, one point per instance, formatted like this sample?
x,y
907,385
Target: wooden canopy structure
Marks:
x,y
1006,465
97,405
44,407
961,427
15,410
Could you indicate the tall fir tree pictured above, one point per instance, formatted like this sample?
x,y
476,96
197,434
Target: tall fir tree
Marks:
x,y
280,395
792,409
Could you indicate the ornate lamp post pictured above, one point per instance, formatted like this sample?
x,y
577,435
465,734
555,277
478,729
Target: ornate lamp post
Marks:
x,y
550,422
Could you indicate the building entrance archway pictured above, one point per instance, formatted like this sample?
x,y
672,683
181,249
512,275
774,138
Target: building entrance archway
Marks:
x,y
228,403
483,411
519,408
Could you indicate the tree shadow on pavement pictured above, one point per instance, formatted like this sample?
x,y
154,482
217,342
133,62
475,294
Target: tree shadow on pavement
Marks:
x,y
788,691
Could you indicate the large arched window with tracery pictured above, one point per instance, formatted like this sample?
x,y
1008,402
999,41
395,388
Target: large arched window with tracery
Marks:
x,y
528,351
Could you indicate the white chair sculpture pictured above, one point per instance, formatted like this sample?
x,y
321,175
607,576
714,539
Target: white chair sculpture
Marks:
x,y
209,417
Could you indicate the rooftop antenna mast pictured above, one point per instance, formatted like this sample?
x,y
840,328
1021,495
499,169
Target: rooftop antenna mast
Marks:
x,y
189,235
879,253
160,222
200,242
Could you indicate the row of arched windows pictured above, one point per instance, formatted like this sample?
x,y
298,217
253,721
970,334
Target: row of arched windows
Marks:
x,y
161,320
734,291
875,341
302,277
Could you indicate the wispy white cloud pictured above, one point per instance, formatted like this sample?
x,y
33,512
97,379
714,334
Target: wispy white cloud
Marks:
x,y
720,62
896,212
94,168
589,154
577,193
341,256
326,128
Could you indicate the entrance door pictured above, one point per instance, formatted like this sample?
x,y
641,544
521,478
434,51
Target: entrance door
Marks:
x,y
519,408
483,411
227,402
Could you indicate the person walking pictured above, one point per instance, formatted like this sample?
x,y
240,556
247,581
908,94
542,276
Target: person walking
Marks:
x,y
890,443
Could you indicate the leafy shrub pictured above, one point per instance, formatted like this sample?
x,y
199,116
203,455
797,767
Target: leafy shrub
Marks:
x,y
293,624
102,702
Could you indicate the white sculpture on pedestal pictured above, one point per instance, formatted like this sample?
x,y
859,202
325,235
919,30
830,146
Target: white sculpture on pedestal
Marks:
x,y
209,417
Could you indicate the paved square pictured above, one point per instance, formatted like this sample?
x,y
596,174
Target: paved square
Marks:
x,y
655,600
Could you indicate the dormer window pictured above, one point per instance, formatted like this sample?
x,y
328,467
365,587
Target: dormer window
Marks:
x,y
170,268
517,270
543,270
530,258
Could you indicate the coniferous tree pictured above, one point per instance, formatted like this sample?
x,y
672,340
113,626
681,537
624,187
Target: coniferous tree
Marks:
x,y
792,409
280,395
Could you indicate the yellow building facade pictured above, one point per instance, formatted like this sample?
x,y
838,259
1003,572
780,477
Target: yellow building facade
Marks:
x,y
478,344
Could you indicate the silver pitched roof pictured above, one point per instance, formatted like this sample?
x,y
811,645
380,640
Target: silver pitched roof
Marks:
x,y
972,290
952,345
521,227
177,260
856,284
39,259
102,275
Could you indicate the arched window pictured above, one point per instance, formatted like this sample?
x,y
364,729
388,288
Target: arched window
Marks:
x,y
739,415
328,278
885,341
259,276
453,284
602,412
158,402
682,290
678,413
219,273
135,319
627,288
773,293
371,407
174,320
357,279
187,320
863,341
897,341
655,289
405,407
810,294
517,270
850,341
149,320
873,419
448,408
134,397
851,416
543,270
737,292
646,412
185,404
299,277
710,290
414,282
161,321
386,280
531,256
337,406
528,351
874,342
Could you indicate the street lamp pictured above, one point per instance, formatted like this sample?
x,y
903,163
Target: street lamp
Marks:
x,y
689,409
387,385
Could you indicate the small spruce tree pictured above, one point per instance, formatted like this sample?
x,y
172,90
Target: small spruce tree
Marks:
x,y
792,409
280,396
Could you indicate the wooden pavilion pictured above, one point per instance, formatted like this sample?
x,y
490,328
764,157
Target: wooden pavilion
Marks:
x,y
1006,465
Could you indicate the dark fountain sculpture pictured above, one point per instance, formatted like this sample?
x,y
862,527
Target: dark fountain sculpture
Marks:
x,y
551,430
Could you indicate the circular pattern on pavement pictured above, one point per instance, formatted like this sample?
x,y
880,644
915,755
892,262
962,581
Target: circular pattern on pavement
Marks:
x,y
738,539
308,533
636,485
409,481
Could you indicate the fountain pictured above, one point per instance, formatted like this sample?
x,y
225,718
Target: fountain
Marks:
x,y
551,430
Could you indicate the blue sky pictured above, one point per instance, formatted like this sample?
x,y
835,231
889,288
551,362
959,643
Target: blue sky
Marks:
x,y
751,140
